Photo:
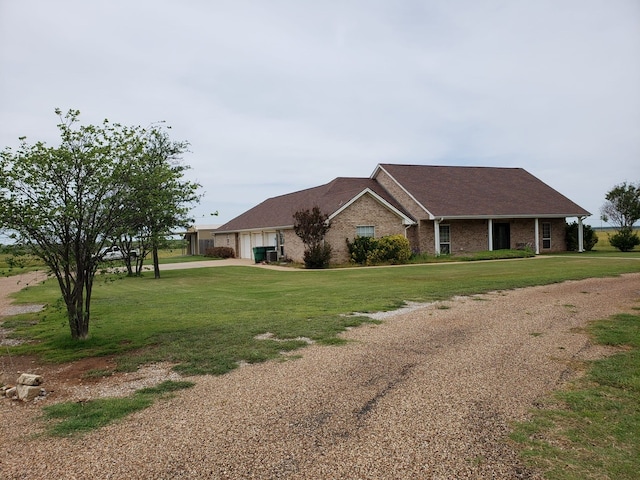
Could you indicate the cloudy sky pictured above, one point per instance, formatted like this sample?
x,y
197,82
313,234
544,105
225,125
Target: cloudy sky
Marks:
x,y
276,96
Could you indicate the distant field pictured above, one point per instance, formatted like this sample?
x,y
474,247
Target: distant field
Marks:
x,y
603,244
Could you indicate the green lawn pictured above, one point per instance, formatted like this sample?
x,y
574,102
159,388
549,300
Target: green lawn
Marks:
x,y
206,319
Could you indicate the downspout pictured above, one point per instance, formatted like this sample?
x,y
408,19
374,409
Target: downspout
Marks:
x,y
580,235
536,230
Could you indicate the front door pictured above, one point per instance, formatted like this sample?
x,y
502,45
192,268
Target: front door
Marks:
x,y
501,236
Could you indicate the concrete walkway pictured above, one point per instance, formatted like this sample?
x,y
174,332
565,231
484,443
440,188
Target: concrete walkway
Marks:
x,y
228,262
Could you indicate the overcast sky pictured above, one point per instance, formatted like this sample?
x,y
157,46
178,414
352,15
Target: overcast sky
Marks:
x,y
277,96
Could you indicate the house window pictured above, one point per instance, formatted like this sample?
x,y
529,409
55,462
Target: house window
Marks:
x,y
445,240
366,231
546,235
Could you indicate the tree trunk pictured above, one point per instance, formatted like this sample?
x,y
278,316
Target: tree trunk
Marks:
x,y
76,293
78,316
156,262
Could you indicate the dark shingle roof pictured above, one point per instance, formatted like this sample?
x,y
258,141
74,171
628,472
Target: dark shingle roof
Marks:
x,y
481,191
278,211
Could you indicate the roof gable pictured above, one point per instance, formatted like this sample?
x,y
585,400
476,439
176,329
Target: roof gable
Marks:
x,y
479,192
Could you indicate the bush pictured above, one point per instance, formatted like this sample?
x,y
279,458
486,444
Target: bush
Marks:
x,y
624,240
317,256
370,251
220,252
360,248
589,237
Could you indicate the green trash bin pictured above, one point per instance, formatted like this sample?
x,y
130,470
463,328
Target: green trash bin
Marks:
x,y
259,254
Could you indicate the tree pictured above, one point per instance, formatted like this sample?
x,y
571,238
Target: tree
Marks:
x,y
159,198
311,226
66,202
622,206
571,237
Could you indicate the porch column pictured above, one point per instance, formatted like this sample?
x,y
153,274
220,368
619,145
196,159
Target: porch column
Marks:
x,y
580,235
490,226
536,230
436,235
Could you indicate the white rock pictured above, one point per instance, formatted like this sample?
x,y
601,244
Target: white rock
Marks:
x,y
27,393
29,379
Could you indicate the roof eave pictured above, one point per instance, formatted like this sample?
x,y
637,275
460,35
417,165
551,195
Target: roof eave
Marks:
x,y
253,229
505,216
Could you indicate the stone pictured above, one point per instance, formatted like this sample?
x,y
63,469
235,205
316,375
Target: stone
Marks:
x,y
29,379
27,393
10,392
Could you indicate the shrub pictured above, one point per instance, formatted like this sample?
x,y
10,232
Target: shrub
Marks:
x,y
370,251
312,226
317,256
625,239
360,248
392,249
220,252
589,237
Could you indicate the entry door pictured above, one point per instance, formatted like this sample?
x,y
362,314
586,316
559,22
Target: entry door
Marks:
x,y
501,236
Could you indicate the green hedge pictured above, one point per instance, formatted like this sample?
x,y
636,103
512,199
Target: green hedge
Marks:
x,y
392,249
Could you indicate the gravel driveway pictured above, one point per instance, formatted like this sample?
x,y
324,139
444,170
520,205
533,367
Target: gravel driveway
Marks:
x,y
427,394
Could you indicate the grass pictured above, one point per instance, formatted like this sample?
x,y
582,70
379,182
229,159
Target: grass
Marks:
x,y
205,320
72,418
592,429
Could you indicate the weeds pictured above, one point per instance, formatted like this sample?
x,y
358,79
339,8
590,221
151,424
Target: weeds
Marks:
x,y
73,418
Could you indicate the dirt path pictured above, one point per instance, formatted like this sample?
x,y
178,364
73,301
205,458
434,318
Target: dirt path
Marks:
x,y
429,393
10,285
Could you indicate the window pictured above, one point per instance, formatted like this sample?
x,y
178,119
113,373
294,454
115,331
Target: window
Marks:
x,y
445,240
366,231
546,235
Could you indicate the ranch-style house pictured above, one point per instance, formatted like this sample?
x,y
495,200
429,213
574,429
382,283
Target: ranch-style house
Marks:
x,y
440,210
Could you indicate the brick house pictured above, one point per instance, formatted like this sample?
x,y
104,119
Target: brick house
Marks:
x,y
441,210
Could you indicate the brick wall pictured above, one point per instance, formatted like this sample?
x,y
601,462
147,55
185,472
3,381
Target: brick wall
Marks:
x,y
400,195
558,243
226,240
293,246
366,211
473,235
468,236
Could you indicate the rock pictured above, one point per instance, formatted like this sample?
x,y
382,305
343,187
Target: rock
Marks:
x,y
29,379
27,393
10,392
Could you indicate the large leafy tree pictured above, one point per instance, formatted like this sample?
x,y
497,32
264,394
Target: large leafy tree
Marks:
x,y
622,208
159,198
65,202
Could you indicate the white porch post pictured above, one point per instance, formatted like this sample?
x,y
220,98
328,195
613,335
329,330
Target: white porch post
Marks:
x,y
436,235
490,226
536,230
580,235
